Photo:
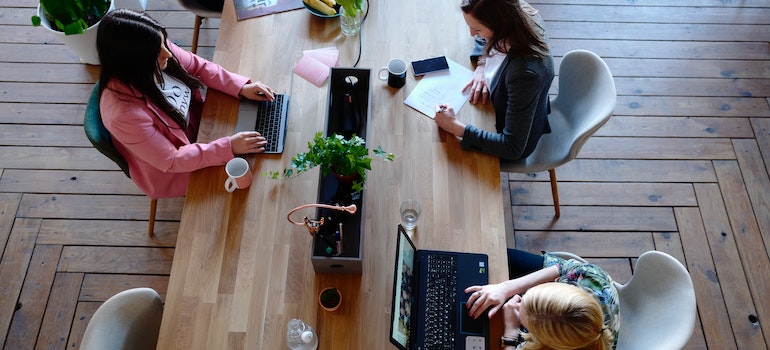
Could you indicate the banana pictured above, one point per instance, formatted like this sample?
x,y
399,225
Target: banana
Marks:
x,y
320,6
331,3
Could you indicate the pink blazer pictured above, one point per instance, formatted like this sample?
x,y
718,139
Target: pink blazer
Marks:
x,y
159,154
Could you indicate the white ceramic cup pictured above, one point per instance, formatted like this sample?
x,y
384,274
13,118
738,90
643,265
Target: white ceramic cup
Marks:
x,y
396,73
238,174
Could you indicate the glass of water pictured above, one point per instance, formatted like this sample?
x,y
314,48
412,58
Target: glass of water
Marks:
x,y
410,213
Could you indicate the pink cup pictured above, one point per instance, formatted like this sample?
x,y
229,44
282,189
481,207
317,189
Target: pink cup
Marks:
x,y
238,174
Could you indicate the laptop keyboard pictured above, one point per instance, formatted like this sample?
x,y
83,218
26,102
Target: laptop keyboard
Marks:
x,y
441,297
271,121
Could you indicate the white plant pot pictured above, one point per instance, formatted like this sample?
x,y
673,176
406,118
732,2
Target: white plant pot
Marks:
x,y
138,5
84,45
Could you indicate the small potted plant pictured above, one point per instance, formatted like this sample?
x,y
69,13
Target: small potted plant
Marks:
x,y
330,299
75,22
347,159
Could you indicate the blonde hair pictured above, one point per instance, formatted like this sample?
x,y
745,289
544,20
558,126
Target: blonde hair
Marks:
x,y
562,316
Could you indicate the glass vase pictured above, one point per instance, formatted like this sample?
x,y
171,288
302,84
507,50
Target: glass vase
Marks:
x,y
351,24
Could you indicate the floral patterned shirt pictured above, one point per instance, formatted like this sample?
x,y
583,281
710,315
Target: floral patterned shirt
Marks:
x,y
595,281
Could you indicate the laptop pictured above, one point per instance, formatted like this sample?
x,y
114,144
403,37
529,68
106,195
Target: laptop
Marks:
x,y
429,300
267,118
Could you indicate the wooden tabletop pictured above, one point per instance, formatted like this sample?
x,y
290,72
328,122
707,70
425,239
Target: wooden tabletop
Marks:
x,y
241,271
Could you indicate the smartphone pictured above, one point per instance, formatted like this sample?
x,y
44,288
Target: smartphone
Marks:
x,y
429,65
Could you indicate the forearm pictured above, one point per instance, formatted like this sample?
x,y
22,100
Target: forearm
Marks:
x,y
522,284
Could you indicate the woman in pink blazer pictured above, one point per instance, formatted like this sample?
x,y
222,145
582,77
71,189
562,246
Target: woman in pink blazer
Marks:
x,y
151,103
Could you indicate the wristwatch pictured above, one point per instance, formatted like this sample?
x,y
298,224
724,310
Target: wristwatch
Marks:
x,y
507,341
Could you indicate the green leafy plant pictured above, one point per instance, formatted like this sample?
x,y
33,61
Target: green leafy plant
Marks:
x,y
72,16
352,6
335,154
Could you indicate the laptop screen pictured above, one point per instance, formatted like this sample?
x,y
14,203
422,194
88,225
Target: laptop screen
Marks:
x,y
402,291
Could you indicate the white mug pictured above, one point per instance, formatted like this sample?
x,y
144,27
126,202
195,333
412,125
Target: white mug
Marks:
x,y
396,70
238,174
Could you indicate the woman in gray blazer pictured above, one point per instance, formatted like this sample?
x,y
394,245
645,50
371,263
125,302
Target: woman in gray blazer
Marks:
x,y
514,70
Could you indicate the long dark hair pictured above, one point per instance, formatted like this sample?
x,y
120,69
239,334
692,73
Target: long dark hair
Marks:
x,y
514,31
128,43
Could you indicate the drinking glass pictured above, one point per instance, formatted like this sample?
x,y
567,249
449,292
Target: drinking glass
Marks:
x,y
410,213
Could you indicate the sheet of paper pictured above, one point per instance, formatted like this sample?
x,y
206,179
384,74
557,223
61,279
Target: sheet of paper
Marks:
x,y
314,65
441,87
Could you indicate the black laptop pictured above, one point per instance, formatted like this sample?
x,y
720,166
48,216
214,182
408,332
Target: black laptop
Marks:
x,y
267,118
429,300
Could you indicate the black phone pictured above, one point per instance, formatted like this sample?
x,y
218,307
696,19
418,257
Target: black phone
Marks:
x,y
429,65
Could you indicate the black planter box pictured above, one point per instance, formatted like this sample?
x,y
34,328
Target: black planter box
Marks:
x,y
347,114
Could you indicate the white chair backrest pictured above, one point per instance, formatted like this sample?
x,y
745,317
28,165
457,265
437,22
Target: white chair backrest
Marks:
x,y
586,97
657,306
585,101
126,321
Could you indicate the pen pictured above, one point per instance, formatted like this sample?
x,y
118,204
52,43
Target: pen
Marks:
x,y
441,109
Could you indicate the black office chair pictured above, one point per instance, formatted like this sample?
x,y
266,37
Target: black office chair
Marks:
x,y
102,140
202,9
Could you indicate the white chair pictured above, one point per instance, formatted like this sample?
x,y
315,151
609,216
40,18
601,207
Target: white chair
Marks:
x,y
585,101
201,11
657,306
126,321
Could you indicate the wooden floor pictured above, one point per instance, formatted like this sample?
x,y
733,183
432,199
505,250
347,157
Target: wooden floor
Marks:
x,y
682,167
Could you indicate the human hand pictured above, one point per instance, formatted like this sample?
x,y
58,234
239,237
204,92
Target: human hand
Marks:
x,y
511,319
446,119
491,296
258,92
479,91
248,142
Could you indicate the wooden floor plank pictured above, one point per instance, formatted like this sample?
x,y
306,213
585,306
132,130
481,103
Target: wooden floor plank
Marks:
x,y
757,182
99,287
729,273
68,181
121,260
9,204
54,158
72,206
13,269
587,244
747,237
617,194
627,170
32,300
83,314
59,314
598,218
677,127
657,148
714,319
107,233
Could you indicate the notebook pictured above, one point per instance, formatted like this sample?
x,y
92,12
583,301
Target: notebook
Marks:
x,y
418,323
267,118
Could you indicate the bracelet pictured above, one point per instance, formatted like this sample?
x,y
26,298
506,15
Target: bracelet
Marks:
x,y
507,341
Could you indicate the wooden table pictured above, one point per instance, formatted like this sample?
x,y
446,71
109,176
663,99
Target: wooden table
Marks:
x,y
241,271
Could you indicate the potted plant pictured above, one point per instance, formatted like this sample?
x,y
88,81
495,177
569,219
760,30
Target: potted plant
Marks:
x,y
75,22
330,299
351,14
348,159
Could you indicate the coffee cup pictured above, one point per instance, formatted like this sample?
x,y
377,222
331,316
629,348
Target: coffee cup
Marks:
x,y
395,73
238,174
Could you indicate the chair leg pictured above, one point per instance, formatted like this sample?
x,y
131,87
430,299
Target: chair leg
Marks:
x,y
555,192
196,31
153,207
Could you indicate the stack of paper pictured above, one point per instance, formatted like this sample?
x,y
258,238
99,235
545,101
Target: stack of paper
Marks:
x,y
444,87
315,64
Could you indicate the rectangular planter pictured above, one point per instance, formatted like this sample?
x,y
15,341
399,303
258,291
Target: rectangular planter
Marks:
x,y
347,114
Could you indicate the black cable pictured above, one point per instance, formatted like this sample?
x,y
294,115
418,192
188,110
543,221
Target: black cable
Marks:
x,y
360,34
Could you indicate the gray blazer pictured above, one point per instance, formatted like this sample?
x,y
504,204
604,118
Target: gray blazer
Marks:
x,y
520,98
